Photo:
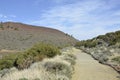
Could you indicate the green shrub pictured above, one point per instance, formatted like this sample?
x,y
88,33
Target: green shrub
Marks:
x,y
117,59
109,38
23,79
7,61
1,26
5,64
44,49
16,29
36,53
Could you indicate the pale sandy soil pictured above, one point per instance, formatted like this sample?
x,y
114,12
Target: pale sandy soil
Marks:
x,y
4,50
87,68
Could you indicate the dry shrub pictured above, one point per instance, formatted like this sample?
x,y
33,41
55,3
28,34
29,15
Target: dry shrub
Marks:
x,y
58,66
69,57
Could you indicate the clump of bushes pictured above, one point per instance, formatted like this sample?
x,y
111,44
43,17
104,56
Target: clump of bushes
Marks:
x,y
117,59
87,43
24,59
45,49
8,61
109,38
6,64
36,53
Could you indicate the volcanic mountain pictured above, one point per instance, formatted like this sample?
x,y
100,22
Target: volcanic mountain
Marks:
x,y
19,36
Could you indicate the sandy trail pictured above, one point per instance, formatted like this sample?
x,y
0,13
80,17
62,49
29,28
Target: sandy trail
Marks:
x,y
87,68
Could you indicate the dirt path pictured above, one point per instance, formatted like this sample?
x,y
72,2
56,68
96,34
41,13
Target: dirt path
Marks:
x,y
87,68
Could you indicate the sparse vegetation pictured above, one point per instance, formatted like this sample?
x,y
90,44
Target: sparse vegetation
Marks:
x,y
16,29
18,36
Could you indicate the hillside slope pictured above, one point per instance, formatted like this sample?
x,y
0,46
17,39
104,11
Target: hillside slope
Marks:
x,y
18,36
109,39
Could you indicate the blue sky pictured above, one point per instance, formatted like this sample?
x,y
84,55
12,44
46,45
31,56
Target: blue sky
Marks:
x,y
83,19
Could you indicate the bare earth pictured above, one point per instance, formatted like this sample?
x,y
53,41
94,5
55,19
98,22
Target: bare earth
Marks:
x,y
87,68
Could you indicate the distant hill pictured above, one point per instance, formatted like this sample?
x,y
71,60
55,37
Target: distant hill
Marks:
x,y
19,36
